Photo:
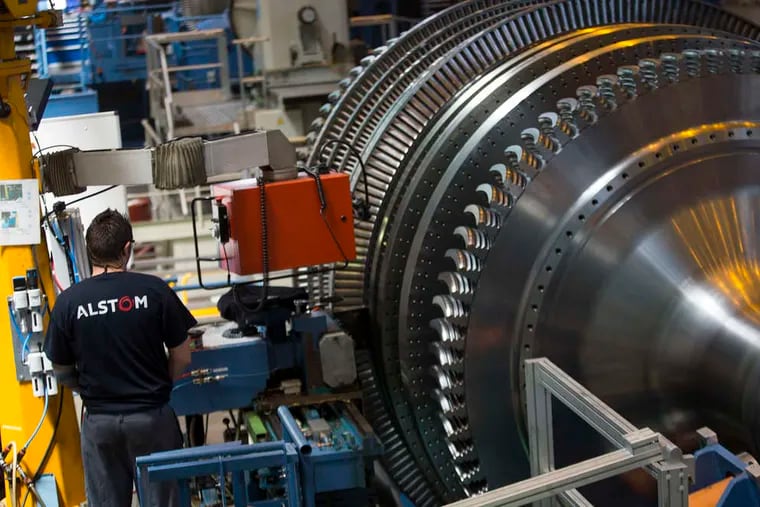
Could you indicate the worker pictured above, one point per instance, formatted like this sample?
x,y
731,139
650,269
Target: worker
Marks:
x,y
106,339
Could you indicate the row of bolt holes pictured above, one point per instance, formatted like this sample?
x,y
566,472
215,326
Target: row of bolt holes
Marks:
x,y
595,202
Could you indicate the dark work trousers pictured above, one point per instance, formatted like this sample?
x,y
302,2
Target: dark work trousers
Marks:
x,y
110,445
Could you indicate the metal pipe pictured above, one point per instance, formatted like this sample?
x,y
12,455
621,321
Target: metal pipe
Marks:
x,y
291,429
208,451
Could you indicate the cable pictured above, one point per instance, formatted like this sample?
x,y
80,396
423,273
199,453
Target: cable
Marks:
x,y
50,147
71,252
26,338
102,191
323,214
61,240
226,262
13,473
39,424
68,248
16,326
264,254
25,347
80,199
49,449
358,156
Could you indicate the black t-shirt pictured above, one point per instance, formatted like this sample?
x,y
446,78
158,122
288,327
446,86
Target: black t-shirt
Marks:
x,y
113,327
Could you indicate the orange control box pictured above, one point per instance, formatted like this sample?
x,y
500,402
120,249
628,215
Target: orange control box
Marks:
x,y
297,233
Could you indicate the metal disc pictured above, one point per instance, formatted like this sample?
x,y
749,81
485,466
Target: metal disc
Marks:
x,y
446,119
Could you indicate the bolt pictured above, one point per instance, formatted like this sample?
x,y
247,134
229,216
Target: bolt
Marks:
x,y
628,77
586,105
671,66
692,61
567,108
712,60
736,60
649,72
607,84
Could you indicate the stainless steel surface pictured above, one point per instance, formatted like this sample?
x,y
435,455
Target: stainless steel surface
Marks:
x,y
490,134
228,156
619,306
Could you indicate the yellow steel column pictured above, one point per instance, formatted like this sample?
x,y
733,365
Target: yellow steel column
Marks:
x,y
19,410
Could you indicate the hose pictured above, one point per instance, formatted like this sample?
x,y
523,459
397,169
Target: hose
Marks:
x,y
14,503
39,424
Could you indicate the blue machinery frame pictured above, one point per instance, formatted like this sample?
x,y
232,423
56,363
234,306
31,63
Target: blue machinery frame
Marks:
x,y
235,459
309,469
104,46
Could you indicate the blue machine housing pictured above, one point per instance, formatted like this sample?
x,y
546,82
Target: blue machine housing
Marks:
x,y
230,376
714,463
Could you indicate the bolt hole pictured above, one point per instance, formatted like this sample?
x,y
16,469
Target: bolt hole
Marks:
x,y
527,346
749,133
569,234
548,269
730,133
694,140
594,202
530,327
540,288
712,137
676,147
624,176
658,155
642,163
558,251
609,188
581,217
534,308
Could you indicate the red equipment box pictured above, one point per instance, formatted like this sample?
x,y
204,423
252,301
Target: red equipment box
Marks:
x,y
297,234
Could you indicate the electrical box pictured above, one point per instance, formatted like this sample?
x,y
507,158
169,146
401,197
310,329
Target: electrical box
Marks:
x,y
298,233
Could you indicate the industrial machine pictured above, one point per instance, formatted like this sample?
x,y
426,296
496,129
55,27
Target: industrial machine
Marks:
x,y
573,180
275,62
553,200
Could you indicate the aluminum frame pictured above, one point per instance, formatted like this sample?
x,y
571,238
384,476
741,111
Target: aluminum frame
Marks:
x,y
637,448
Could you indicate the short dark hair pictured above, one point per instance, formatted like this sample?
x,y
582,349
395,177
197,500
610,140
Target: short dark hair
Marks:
x,y
106,236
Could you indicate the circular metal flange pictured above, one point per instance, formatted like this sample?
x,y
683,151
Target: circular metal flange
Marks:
x,y
396,136
578,242
416,259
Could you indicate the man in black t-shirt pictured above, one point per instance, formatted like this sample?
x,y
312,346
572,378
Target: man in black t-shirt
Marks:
x,y
107,339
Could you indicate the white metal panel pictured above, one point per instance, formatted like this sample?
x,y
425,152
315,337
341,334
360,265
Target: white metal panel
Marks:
x,y
98,131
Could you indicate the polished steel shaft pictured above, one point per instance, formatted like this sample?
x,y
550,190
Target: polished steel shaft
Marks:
x,y
573,179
